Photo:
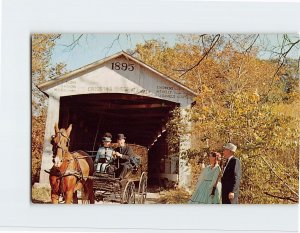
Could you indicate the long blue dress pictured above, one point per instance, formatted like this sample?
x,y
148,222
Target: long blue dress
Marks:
x,y
206,181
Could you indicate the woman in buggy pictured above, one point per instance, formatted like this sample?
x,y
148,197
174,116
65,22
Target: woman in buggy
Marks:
x,y
105,156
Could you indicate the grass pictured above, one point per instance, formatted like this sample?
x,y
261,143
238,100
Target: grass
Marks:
x,y
174,196
41,195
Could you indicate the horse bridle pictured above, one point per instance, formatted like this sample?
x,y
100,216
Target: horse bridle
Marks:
x,y
58,145
61,174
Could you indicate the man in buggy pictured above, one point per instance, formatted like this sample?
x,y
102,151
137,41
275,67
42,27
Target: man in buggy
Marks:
x,y
126,160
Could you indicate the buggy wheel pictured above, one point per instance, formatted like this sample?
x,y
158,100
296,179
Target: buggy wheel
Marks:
x,y
142,192
128,196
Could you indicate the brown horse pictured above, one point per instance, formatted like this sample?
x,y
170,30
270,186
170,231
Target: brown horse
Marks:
x,y
70,171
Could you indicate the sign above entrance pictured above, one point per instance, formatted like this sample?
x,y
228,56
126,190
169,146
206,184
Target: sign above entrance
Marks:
x,y
121,73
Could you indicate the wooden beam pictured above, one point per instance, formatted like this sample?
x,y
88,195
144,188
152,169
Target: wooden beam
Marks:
x,y
137,124
124,116
111,106
112,96
130,116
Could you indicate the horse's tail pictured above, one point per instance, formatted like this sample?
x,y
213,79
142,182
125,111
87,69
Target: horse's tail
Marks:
x,y
88,159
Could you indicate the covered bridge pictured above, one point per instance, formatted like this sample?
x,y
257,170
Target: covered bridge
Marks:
x,y
118,94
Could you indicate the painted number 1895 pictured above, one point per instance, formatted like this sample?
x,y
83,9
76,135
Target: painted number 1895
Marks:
x,y
122,66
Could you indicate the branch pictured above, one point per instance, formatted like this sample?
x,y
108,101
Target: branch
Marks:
x,y
112,44
282,57
242,46
74,43
201,37
213,43
129,39
284,198
55,37
284,183
250,47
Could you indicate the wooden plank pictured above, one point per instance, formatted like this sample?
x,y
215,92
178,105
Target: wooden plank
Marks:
x,y
113,96
109,106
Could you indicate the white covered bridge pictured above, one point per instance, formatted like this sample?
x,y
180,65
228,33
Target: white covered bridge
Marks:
x,y
118,94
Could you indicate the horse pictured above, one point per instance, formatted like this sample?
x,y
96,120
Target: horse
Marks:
x,y
70,171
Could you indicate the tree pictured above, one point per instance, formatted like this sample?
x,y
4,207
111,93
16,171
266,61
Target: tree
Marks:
x,y
41,71
239,99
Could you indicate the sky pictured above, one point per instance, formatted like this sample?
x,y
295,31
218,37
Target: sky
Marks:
x,y
93,47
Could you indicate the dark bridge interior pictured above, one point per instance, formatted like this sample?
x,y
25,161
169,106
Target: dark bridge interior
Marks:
x,y
141,119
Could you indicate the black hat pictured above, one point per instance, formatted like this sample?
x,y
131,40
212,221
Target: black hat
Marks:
x,y
121,136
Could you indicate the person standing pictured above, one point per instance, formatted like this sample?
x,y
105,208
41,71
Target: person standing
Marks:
x,y
231,175
208,188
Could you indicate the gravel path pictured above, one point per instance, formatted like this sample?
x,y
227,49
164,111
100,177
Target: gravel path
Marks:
x,y
153,197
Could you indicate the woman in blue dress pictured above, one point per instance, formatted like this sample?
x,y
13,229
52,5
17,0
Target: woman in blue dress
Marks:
x,y
208,188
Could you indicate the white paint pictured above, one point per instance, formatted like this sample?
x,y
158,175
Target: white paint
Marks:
x,y
140,81
104,79
52,118
185,144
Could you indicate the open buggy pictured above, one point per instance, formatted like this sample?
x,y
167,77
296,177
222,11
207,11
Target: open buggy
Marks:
x,y
128,190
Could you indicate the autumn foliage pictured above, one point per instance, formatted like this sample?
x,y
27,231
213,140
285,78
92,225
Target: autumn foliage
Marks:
x,y
41,71
242,99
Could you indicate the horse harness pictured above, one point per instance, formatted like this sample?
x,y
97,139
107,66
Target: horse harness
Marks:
x,y
55,171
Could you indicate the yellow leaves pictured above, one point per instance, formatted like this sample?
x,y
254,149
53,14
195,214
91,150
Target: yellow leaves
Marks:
x,y
206,89
255,97
41,51
37,140
205,109
240,111
257,138
229,106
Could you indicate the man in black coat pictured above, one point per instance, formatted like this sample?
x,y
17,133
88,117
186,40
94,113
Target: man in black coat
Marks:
x,y
231,175
123,153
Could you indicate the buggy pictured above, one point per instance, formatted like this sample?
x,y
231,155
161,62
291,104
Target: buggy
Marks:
x,y
128,190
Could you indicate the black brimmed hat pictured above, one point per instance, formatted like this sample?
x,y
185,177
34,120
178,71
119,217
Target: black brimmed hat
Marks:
x,y
121,136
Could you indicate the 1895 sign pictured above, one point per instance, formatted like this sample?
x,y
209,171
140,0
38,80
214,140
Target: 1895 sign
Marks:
x,y
122,66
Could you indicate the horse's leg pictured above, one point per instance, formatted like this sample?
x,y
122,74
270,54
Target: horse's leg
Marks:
x,y
84,193
75,198
90,191
54,183
69,197
87,192
69,183
54,198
